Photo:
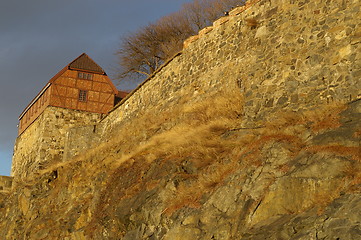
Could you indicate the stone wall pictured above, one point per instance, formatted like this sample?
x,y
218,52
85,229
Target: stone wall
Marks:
x,y
79,139
43,143
5,183
296,183
280,54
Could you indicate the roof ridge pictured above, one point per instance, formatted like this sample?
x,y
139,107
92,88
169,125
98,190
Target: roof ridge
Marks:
x,y
86,63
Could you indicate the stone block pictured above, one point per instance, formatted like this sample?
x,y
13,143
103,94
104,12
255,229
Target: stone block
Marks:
x,y
204,31
220,21
236,11
345,51
261,32
183,233
190,40
5,183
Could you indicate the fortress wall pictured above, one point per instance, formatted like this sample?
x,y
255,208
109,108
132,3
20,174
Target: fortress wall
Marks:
x,y
5,183
43,143
79,139
27,147
279,53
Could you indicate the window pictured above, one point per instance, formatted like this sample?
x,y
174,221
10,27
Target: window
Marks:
x,y
84,75
82,95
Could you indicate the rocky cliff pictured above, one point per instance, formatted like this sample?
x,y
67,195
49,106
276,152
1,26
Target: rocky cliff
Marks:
x,y
252,132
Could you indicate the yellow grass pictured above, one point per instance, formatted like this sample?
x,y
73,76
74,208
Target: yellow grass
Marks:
x,y
326,117
339,150
201,134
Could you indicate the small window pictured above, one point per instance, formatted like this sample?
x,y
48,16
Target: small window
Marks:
x,y
84,75
82,95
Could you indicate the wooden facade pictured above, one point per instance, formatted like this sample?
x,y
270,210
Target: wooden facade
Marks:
x,y
81,85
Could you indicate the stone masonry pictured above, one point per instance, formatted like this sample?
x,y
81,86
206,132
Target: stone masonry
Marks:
x,y
5,183
43,143
284,181
280,54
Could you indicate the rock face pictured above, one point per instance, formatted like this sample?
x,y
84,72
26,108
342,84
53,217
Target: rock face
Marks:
x,y
252,132
297,177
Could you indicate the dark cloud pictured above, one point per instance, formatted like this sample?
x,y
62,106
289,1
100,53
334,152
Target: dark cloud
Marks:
x,y
39,37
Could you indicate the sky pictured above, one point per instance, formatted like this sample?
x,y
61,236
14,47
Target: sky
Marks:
x,y
39,37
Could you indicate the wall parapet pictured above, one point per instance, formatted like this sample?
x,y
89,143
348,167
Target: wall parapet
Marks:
x,y
234,12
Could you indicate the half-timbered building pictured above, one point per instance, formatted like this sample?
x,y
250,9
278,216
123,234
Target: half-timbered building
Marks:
x,y
76,98
80,85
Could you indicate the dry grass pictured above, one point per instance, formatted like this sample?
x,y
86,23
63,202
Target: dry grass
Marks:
x,y
200,133
353,174
189,193
326,117
193,131
339,150
252,152
357,134
184,198
348,184
284,168
324,197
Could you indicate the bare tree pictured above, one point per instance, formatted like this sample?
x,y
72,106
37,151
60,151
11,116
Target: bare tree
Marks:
x,y
141,53
202,13
138,53
172,30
